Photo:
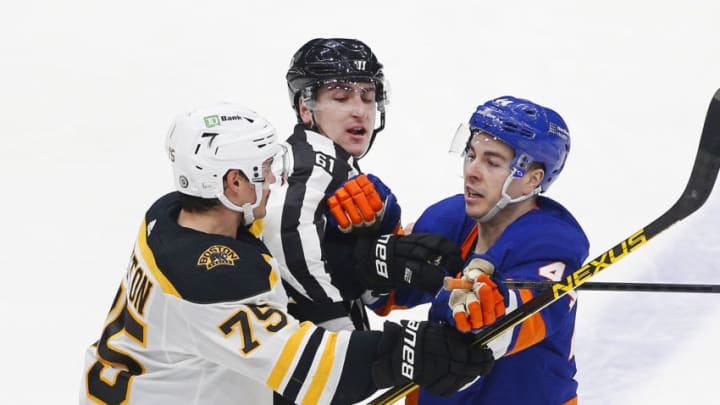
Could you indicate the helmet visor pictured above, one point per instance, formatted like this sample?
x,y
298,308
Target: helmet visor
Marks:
x,y
274,168
463,136
279,165
344,95
461,144
460,140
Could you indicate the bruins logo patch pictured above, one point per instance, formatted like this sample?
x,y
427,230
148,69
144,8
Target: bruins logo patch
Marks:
x,y
217,255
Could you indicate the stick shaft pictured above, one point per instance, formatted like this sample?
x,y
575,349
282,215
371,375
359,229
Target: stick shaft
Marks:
x,y
451,283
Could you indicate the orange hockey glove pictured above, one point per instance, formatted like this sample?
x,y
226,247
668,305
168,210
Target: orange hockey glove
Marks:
x,y
480,302
364,202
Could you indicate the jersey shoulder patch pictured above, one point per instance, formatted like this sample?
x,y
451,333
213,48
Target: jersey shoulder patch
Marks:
x,y
206,268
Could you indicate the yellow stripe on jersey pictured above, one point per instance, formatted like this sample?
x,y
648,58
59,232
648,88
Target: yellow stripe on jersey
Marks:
x,y
323,371
274,277
287,356
256,228
149,258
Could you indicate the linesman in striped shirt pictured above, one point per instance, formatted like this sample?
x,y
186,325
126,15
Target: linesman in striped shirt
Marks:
x,y
333,229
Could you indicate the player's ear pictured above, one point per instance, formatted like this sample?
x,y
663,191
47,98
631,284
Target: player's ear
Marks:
x,y
305,113
533,179
234,178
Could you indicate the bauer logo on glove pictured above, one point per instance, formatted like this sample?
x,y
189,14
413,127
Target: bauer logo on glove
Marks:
x,y
418,260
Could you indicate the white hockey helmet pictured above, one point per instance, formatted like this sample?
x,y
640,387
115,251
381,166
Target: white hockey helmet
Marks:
x,y
204,144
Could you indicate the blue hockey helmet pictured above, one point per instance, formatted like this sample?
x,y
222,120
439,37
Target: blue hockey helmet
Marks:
x,y
537,134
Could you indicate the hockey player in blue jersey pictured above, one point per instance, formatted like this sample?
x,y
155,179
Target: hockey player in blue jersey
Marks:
x,y
513,150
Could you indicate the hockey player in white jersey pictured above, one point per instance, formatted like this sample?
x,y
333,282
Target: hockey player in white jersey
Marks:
x,y
200,316
338,89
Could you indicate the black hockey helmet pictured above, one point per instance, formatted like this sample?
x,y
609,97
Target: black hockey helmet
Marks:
x,y
325,59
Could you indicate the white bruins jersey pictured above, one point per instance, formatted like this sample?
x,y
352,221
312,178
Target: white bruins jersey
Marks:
x,y
201,319
294,230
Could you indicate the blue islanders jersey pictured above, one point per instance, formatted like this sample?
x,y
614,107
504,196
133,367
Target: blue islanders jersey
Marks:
x,y
535,363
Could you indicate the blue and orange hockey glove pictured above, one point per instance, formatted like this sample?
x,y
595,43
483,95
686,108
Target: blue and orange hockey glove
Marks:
x,y
364,202
472,300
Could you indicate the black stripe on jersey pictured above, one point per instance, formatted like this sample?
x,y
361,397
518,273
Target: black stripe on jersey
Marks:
x,y
341,170
304,158
315,312
356,382
303,366
358,315
304,164
280,400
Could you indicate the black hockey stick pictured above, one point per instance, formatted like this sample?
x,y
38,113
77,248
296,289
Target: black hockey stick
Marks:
x,y
620,286
698,189
451,283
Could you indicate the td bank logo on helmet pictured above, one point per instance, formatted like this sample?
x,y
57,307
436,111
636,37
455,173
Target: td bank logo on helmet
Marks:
x,y
217,120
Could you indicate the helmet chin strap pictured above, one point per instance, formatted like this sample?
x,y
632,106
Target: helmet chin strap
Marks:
x,y
375,132
314,126
506,199
248,216
247,208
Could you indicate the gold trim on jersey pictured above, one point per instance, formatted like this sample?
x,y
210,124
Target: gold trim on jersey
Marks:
x,y
256,228
286,357
274,277
322,374
149,258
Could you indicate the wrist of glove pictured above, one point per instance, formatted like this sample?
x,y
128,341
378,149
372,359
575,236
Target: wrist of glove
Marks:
x,y
364,202
436,357
479,305
419,260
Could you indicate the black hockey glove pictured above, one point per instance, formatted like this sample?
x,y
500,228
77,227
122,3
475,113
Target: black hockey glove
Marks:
x,y
434,356
418,260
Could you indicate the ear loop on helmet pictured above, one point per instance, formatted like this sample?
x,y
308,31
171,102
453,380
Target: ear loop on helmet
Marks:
x,y
247,208
278,169
307,96
506,199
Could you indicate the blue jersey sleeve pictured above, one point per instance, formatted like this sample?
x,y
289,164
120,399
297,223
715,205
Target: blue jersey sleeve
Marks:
x,y
447,218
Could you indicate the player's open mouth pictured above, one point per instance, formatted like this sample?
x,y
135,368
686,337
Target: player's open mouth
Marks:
x,y
469,193
357,131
